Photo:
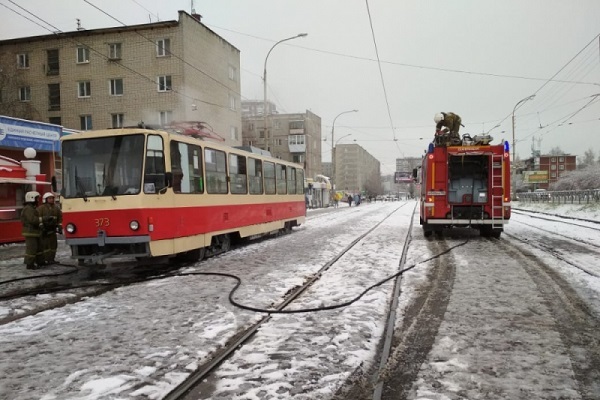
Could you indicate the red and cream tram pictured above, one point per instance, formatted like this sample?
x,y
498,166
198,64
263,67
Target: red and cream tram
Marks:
x,y
147,193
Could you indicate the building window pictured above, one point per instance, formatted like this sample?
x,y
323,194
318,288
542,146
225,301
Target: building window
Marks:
x,y
165,117
163,47
164,83
277,124
231,102
53,67
261,134
84,89
553,175
25,93
553,159
85,122
251,127
553,167
561,159
278,142
116,87
561,167
55,120
23,60
117,120
250,143
233,132
54,96
298,158
296,124
232,73
296,139
83,55
114,51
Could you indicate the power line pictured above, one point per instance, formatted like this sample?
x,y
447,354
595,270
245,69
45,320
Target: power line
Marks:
x,y
151,80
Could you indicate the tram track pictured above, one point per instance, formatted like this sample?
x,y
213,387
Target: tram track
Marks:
x,y
575,321
199,380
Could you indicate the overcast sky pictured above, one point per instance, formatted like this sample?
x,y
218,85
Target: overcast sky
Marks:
x,y
477,58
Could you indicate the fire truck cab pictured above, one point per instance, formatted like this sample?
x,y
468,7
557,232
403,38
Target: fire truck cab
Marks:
x,y
465,186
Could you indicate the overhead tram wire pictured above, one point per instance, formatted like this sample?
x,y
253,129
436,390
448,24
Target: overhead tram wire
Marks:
x,y
458,71
558,122
169,51
150,80
387,103
553,76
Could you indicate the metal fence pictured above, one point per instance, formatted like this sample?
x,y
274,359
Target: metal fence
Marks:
x,y
562,197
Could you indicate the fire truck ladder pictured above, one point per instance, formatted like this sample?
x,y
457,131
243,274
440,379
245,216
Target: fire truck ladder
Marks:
x,y
497,212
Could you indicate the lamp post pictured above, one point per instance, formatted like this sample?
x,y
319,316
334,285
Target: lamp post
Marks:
x,y
514,153
333,146
265,84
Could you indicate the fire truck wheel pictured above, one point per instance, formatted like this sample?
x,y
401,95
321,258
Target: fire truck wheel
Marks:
x,y
427,231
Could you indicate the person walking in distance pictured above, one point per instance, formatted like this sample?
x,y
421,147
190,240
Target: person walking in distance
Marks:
x,y
52,219
31,231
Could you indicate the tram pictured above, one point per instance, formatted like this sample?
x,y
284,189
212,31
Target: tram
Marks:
x,y
147,193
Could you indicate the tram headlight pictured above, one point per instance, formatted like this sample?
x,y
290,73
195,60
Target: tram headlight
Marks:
x,y
70,228
134,225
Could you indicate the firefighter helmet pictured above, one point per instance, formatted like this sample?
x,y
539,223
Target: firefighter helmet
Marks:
x,y
31,197
438,117
46,195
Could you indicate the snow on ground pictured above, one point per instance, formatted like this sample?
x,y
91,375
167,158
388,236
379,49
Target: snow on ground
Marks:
x,y
141,341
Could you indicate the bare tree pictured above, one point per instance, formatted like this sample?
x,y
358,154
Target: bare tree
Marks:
x,y
10,84
588,159
556,151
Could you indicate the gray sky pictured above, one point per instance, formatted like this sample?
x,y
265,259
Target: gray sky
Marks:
x,y
477,58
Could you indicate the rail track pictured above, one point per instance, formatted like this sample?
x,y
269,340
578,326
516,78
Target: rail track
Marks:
x,y
199,382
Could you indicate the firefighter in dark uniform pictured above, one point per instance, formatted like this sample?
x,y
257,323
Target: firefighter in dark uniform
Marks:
x,y
52,219
32,230
452,122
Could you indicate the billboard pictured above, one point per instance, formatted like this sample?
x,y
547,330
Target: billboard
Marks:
x,y
21,133
535,177
403,177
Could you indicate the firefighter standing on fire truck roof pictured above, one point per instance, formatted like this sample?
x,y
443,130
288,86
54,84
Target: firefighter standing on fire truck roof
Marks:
x,y
449,120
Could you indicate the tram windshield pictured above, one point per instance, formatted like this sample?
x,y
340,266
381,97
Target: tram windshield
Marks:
x,y
106,166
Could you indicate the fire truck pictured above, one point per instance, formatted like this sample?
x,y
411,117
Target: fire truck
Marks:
x,y
465,185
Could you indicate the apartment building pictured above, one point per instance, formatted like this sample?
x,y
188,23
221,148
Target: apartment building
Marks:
x,y
292,137
154,73
356,171
541,171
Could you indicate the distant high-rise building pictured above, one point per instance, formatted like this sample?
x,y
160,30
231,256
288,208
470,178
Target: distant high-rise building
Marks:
x,y
292,137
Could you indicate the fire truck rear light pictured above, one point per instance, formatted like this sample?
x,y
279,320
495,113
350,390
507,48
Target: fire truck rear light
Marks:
x,y
150,224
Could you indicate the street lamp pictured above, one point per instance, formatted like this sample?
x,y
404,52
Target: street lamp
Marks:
x,y
333,146
514,175
265,83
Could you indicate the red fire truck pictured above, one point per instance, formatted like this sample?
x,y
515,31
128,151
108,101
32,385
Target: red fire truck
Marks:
x,y
466,185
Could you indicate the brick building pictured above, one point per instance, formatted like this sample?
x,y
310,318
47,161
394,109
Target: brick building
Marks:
x,y
105,78
551,167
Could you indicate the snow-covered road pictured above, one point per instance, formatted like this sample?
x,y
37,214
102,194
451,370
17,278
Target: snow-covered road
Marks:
x,y
499,336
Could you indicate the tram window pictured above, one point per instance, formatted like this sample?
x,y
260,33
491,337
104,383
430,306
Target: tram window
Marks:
x,y
154,174
216,171
291,183
103,166
281,180
269,170
255,176
299,181
186,166
238,174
